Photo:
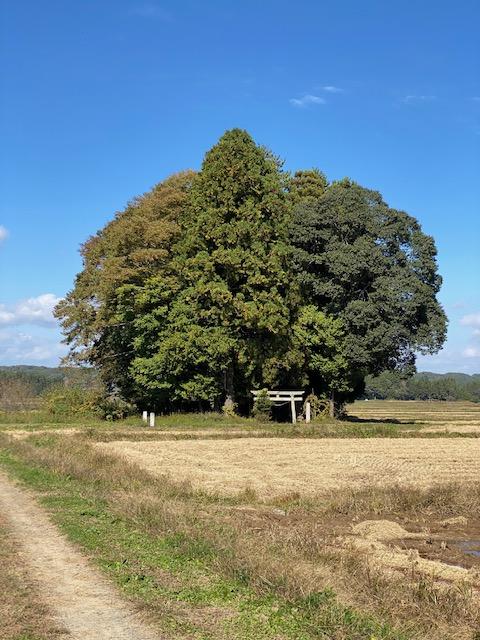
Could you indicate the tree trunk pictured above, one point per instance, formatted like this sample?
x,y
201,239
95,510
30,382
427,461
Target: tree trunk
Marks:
x,y
229,388
332,411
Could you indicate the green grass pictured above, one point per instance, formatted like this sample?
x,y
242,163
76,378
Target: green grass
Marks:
x,y
178,578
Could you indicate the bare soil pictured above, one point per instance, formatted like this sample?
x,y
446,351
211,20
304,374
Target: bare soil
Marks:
x,y
437,551
77,595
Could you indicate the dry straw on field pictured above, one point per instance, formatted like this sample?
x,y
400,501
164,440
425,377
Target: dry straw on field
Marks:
x,y
275,466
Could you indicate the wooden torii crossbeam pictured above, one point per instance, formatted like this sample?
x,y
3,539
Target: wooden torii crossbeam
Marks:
x,y
282,397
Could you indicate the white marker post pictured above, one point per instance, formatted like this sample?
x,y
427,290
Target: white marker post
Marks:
x,y
308,416
145,416
152,419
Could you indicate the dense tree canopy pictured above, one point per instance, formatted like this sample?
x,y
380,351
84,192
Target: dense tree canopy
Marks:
x,y
373,268
242,277
234,306
97,315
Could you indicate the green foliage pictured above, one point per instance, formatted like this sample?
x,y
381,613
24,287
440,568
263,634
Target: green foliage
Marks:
x,y
229,408
98,315
112,407
240,276
262,408
69,401
321,341
318,406
220,328
373,268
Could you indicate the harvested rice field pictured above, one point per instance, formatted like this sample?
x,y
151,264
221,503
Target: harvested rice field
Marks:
x,y
278,466
449,417
356,529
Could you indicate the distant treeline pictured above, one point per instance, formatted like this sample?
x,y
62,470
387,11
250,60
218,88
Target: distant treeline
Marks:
x,y
423,386
40,379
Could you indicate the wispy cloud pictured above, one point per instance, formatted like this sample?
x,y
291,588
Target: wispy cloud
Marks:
x,y
37,311
476,98
23,348
471,320
449,359
307,100
329,88
416,99
153,11
3,233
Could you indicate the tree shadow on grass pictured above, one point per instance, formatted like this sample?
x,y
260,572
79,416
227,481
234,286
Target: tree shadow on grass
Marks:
x,y
375,420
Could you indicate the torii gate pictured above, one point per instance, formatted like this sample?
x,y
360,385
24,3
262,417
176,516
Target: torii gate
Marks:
x,y
282,397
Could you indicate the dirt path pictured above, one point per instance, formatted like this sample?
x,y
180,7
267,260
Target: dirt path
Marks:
x,y
78,596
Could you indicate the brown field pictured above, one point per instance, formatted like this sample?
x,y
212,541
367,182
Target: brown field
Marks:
x,y
276,466
377,507
453,417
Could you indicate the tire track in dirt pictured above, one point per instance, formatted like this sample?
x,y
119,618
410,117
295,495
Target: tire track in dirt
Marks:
x,y
77,594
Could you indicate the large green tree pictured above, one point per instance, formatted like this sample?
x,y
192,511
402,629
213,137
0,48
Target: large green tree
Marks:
x,y
98,315
240,276
370,266
233,311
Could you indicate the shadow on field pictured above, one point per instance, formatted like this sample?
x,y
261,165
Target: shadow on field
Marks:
x,y
375,420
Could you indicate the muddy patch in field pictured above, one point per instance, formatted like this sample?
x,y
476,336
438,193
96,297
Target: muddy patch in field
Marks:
x,y
435,550
455,542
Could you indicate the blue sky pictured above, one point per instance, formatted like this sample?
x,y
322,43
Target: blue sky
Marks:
x,y
101,99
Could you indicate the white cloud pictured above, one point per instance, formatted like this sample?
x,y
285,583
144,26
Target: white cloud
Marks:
x,y
471,352
329,88
307,100
471,320
415,99
449,359
3,233
38,310
464,359
23,348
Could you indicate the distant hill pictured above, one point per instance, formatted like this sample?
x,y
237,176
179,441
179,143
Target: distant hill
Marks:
x,y
461,378
424,385
40,379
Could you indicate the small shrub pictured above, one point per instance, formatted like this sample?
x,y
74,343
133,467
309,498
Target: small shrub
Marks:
x,y
318,406
69,401
75,401
113,407
229,409
262,409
